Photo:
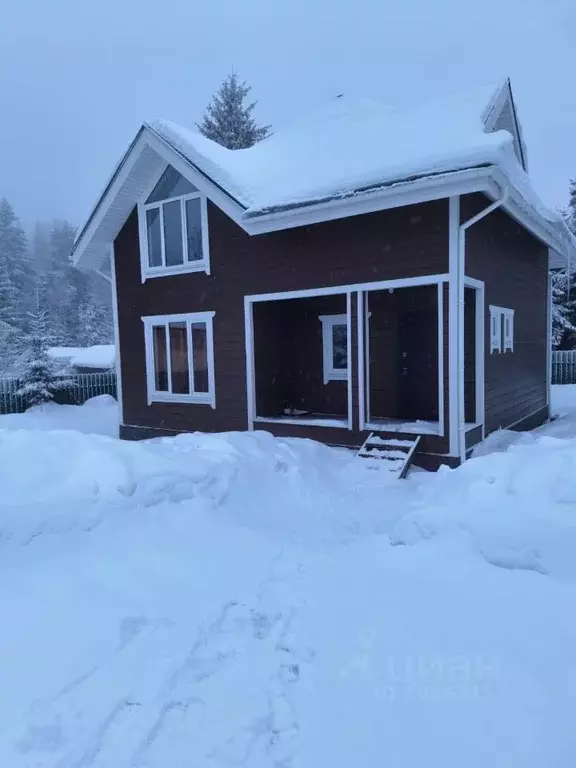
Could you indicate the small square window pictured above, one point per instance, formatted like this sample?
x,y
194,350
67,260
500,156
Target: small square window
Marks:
x,y
335,347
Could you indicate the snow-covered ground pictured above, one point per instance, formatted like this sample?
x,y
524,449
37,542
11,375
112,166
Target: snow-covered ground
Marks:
x,y
226,600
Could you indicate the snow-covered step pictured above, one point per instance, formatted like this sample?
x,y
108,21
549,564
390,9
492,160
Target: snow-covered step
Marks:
x,y
393,454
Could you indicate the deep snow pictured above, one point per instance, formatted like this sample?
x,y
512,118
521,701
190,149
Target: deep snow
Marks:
x,y
223,600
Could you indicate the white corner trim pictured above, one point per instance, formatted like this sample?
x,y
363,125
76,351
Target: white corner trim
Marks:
x,y
331,373
362,342
116,336
162,396
453,315
440,317
250,372
460,272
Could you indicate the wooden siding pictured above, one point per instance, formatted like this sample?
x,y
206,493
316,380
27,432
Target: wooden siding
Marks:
x,y
289,357
404,242
386,312
514,266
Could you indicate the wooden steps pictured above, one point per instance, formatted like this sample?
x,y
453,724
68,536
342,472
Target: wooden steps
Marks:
x,y
385,451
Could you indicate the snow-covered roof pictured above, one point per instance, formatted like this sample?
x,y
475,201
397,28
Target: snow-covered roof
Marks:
x,y
346,146
98,356
351,148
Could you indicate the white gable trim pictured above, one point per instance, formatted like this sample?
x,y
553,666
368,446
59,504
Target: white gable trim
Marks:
x,y
207,187
93,243
493,111
160,154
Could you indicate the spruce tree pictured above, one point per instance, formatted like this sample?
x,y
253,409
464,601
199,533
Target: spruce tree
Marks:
x,y
16,271
570,213
228,120
563,310
36,370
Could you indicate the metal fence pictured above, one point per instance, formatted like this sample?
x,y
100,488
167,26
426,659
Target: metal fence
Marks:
x,y
76,390
564,366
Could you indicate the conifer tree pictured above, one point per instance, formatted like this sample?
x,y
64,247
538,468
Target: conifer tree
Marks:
x,y
35,368
228,120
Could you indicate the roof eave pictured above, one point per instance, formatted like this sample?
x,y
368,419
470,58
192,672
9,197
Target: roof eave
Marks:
x,y
393,195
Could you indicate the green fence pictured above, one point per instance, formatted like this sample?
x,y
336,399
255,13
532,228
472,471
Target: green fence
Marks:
x,y
76,390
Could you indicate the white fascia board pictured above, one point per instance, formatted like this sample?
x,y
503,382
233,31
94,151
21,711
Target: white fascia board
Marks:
x,y
396,195
530,219
117,180
207,187
146,140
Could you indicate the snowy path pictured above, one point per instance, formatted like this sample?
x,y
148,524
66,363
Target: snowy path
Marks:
x,y
234,600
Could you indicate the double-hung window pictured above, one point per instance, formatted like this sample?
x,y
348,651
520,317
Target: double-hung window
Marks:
x,y
173,223
180,358
501,329
335,347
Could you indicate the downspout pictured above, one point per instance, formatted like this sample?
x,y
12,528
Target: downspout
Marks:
x,y
460,290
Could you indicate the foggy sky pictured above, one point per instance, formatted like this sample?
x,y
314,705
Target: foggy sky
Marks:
x,y
78,78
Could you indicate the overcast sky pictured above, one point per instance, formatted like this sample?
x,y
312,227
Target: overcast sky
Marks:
x,y
78,78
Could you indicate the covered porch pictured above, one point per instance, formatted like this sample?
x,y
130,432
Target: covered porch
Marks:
x,y
371,357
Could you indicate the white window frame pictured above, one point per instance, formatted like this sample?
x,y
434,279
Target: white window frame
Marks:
x,y
501,329
508,331
155,396
330,372
202,265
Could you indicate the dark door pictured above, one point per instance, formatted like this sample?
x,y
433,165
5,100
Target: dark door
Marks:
x,y
418,366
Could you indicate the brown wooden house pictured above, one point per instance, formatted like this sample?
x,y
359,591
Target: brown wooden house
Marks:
x,y
366,270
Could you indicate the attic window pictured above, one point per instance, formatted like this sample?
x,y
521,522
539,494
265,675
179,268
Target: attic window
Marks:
x,y
173,221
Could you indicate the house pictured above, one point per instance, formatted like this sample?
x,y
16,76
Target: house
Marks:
x,y
98,358
367,269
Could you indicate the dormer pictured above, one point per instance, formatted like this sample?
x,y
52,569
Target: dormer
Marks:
x,y
501,115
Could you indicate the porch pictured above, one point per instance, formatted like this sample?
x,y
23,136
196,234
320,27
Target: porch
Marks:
x,y
337,363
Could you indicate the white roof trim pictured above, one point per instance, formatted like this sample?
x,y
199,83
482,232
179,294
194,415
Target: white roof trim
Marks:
x,y
493,111
148,152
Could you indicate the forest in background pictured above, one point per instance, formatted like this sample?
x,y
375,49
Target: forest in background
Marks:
x,y
39,284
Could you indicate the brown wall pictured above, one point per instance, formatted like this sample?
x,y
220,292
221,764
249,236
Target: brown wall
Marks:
x,y
514,267
288,356
386,312
402,242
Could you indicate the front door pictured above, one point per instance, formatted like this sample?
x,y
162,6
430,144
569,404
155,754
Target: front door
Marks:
x,y
418,366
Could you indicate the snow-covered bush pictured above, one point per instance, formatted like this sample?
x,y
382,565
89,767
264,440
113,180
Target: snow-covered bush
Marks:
x,y
36,370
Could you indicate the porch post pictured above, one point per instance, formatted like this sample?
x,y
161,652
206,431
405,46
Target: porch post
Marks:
x,y
453,324
350,349
360,298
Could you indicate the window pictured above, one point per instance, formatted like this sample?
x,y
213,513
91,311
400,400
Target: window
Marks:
x,y
173,224
501,329
335,347
180,358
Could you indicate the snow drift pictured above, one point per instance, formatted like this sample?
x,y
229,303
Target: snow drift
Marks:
x,y
225,600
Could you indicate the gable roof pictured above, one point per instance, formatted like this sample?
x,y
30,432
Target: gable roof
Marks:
x,y
347,151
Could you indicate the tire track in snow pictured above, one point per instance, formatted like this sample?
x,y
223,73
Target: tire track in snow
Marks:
x,y
150,696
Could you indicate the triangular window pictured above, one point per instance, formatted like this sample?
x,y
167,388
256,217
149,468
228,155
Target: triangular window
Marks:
x,y
171,184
